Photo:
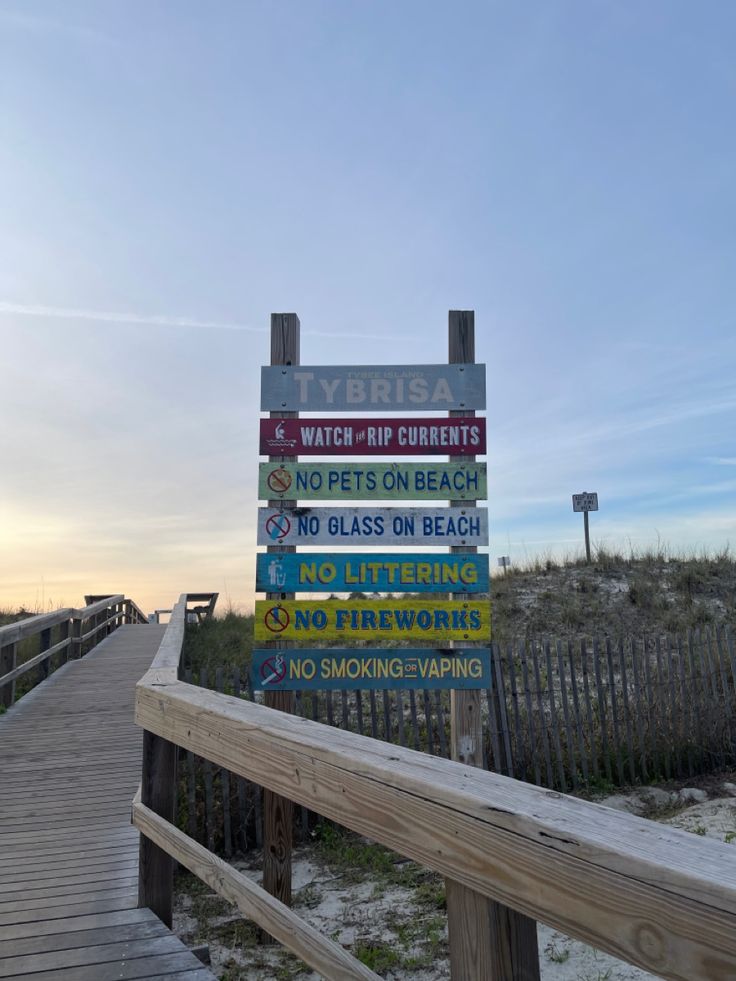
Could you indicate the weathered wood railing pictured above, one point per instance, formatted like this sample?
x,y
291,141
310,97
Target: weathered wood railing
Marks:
x,y
101,617
657,897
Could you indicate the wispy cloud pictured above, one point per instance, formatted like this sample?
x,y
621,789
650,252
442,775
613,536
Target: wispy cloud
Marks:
x,y
153,320
159,320
722,461
38,24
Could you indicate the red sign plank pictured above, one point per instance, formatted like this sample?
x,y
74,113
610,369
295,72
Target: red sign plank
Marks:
x,y
460,436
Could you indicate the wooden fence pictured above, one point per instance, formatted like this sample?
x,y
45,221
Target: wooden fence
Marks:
x,y
655,896
46,641
561,715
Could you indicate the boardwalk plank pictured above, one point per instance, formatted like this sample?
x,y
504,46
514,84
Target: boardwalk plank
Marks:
x,y
82,938
101,955
68,855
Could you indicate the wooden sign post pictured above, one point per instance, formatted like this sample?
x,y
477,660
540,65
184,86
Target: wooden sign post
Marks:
x,y
487,940
278,811
490,941
585,502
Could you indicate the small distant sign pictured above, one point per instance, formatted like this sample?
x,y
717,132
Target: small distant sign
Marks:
x,y
587,501
504,561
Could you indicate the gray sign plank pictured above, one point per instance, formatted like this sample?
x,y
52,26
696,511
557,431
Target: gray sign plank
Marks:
x,y
373,388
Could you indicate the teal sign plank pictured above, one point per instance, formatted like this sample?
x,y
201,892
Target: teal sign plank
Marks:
x,y
383,572
321,669
372,481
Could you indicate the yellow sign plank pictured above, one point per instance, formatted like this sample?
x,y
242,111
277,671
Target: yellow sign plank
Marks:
x,y
394,620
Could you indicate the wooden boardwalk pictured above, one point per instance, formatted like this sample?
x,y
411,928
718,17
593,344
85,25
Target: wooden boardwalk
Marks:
x,y
70,764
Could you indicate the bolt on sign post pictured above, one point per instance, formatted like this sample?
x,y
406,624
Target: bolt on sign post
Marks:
x,y
278,811
585,502
487,940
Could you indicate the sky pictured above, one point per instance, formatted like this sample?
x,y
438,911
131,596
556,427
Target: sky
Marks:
x,y
173,172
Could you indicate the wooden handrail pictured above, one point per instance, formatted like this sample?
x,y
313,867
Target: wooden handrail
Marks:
x,y
652,895
165,664
33,662
324,955
69,620
158,777
11,633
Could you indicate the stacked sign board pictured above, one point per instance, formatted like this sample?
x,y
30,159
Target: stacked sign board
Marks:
x,y
439,626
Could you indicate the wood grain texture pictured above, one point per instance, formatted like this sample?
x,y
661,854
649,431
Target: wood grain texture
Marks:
x,y
158,792
479,948
322,954
68,856
8,661
655,896
278,811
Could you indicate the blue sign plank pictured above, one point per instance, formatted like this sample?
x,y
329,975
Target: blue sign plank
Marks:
x,y
321,669
383,572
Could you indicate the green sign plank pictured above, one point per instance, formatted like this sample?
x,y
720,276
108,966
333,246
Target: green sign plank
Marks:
x,y
434,621
364,668
372,481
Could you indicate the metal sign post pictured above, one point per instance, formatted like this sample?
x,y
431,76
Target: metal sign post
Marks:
x,y
504,562
585,502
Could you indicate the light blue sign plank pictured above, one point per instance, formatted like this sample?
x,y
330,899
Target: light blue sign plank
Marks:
x,y
373,388
321,669
382,572
358,527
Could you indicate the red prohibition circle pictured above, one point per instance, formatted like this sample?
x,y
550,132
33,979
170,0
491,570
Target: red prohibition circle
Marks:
x,y
279,481
274,669
276,619
278,527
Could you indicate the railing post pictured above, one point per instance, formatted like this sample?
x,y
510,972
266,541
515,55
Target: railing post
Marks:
x,y
76,648
487,940
158,791
8,662
43,668
64,635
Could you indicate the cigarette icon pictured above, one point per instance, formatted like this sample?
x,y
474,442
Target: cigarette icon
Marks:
x,y
278,670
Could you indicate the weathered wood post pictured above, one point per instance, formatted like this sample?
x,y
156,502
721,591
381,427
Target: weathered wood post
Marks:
x,y
158,791
278,811
64,627
488,941
43,668
8,663
76,648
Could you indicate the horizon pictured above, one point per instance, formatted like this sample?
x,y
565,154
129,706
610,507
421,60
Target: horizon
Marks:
x,y
165,189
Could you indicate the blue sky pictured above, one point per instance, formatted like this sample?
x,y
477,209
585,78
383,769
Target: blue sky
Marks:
x,y
171,173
